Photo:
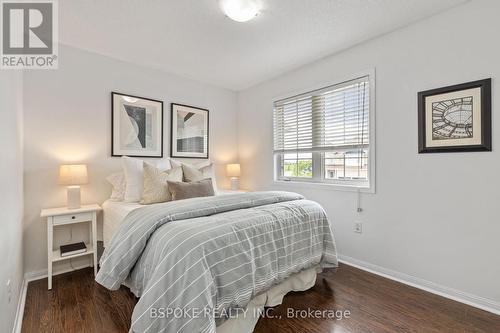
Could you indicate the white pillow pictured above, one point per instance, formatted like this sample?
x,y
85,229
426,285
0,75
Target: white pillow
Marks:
x,y
134,176
117,181
163,164
197,172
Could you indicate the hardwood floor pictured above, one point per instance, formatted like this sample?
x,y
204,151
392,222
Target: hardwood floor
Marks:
x,y
76,303
376,304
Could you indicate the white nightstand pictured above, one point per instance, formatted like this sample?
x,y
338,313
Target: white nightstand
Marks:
x,y
65,216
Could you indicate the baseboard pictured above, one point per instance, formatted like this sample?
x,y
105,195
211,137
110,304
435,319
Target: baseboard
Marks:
x,y
18,322
450,293
453,294
28,277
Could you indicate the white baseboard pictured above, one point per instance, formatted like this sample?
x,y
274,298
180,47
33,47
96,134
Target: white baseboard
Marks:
x,y
453,294
18,322
28,277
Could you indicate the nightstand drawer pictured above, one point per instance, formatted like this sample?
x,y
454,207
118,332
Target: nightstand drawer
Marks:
x,y
72,218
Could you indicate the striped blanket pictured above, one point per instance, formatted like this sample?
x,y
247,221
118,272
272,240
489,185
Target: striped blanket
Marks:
x,y
194,262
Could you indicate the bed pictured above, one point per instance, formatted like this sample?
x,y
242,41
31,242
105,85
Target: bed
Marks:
x,y
211,264
114,213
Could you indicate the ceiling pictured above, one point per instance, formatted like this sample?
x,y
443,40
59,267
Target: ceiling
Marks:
x,y
193,38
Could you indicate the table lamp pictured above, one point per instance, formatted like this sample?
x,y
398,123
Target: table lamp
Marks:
x,y
73,176
233,171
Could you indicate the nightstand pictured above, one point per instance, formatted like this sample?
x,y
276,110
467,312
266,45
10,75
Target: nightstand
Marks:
x,y
64,216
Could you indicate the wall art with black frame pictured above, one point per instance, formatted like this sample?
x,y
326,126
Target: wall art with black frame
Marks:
x,y
455,118
189,131
136,126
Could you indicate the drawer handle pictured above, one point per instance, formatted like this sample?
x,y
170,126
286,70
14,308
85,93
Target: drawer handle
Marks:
x,y
73,217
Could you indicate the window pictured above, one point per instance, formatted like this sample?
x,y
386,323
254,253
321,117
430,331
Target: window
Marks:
x,y
323,136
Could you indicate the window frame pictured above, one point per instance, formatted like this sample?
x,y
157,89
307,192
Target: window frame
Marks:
x,y
318,180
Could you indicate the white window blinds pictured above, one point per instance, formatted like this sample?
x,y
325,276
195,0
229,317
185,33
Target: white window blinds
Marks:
x,y
332,118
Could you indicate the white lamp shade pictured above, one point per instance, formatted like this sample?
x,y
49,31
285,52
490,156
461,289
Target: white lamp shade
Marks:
x,y
73,174
233,170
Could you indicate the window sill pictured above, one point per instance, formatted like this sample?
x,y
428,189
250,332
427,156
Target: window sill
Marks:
x,y
325,186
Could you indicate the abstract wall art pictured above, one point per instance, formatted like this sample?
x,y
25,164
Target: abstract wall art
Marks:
x,y
137,126
189,130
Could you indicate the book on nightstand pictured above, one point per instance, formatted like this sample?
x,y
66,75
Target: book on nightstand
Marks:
x,y
70,249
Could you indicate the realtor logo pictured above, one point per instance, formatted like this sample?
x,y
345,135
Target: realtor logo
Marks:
x,y
29,34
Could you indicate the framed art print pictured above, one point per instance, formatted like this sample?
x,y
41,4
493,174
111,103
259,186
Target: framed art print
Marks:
x,y
189,130
136,126
455,118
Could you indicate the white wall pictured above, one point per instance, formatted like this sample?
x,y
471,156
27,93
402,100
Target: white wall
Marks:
x,y
11,195
434,216
68,119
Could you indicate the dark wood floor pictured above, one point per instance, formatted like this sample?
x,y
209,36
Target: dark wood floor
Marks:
x,y
78,304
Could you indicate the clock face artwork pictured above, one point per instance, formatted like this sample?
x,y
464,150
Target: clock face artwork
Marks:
x,y
452,119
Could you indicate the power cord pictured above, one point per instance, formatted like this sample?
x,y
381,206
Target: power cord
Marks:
x,y
358,201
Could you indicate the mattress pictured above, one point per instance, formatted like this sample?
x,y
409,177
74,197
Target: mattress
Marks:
x,y
114,212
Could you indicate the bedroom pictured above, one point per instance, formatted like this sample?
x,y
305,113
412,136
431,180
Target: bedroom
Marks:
x,y
412,217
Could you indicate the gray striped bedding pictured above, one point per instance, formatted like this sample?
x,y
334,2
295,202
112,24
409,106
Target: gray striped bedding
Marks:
x,y
194,262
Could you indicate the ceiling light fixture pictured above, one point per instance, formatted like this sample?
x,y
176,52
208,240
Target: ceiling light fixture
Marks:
x,y
240,10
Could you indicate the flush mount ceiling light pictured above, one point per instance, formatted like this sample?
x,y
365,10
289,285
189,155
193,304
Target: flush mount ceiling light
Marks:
x,y
240,10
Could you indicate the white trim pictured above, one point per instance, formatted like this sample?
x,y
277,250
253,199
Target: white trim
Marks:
x,y
18,323
372,156
434,288
320,85
28,277
324,186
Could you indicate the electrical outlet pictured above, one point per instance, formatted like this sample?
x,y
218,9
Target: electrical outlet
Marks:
x,y
358,227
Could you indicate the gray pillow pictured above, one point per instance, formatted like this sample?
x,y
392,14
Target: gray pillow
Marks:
x,y
181,190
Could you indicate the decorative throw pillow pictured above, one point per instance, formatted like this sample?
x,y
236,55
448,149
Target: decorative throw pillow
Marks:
x,y
134,176
155,183
181,190
197,172
192,173
117,181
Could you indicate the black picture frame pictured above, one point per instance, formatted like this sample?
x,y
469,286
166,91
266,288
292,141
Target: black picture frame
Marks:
x,y
173,131
113,154
485,145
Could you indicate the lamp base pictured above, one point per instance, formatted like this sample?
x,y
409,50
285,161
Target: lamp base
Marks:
x,y
74,197
235,183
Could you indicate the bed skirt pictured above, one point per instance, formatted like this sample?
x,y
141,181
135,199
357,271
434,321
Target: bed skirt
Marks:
x,y
301,281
